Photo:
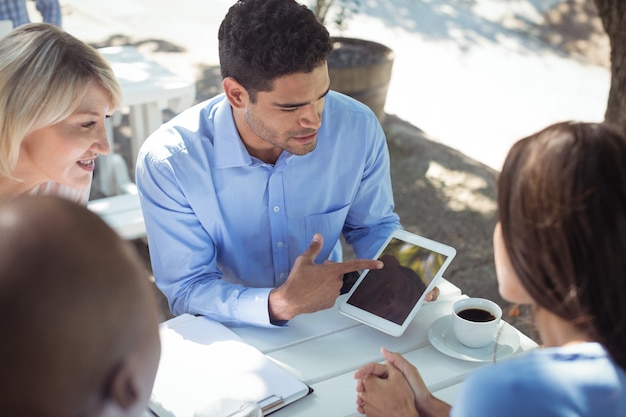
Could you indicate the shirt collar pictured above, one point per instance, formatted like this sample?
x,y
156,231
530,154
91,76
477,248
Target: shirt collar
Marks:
x,y
229,148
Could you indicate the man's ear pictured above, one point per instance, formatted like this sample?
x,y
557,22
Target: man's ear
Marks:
x,y
123,390
236,94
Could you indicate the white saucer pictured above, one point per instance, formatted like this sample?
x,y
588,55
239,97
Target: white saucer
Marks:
x,y
442,338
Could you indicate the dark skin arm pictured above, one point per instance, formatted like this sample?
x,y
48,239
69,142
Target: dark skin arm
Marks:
x,y
312,287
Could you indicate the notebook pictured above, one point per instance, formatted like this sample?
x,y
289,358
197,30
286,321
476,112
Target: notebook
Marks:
x,y
205,365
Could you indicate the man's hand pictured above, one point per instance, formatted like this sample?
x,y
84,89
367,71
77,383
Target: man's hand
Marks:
x,y
433,294
311,287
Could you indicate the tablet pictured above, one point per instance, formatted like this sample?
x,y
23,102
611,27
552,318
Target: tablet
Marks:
x,y
388,299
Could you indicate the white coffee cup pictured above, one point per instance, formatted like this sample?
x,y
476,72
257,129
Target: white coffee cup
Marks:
x,y
479,320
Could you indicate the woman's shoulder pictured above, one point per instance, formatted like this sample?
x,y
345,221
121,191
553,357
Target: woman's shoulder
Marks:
x,y
547,382
538,369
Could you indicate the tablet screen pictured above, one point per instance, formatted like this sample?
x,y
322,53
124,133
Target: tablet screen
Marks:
x,y
392,292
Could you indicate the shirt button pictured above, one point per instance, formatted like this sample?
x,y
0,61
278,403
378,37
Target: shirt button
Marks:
x,y
279,244
282,275
276,209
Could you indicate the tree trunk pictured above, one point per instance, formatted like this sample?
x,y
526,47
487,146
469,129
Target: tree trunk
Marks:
x,y
613,15
321,8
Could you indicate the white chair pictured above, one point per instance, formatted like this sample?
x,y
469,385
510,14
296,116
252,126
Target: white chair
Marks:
x,y
122,213
148,89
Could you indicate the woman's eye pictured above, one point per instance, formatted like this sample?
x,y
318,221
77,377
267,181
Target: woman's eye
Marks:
x,y
88,125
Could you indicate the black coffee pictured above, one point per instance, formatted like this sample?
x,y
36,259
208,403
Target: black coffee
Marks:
x,y
476,314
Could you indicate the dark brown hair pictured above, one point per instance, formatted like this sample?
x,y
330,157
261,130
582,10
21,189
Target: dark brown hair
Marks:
x,y
261,40
562,207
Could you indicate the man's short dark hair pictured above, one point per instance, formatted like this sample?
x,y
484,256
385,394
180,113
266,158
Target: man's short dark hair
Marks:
x,y
261,40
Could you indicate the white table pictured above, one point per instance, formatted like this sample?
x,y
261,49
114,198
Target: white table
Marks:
x,y
325,348
148,89
122,213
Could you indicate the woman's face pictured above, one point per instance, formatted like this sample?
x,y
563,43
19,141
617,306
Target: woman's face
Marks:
x,y
66,151
508,283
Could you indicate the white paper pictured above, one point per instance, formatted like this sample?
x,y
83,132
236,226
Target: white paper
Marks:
x,y
205,366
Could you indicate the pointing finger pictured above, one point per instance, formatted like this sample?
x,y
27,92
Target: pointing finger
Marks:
x,y
355,265
314,248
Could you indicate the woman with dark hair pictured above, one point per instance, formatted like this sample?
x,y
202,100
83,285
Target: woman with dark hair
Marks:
x,y
559,246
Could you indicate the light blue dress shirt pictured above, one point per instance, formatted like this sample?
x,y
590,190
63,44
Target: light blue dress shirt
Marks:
x,y
224,228
572,381
16,11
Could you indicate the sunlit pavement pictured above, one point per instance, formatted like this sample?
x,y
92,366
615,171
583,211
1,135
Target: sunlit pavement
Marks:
x,y
470,73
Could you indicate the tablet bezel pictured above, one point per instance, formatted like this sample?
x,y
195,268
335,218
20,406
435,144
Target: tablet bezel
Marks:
x,y
381,323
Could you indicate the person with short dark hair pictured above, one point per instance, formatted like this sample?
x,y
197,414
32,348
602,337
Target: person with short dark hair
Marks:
x,y
245,196
559,247
78,314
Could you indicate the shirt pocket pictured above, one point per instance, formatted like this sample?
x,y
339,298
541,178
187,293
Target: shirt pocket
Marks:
x,y
329,225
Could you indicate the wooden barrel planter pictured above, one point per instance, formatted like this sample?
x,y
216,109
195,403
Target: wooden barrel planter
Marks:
x,y
361,69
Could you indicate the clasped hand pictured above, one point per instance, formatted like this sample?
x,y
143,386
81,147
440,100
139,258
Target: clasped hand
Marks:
x,y
395,389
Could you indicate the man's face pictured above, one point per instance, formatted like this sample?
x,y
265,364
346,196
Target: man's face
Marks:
x,y
289,116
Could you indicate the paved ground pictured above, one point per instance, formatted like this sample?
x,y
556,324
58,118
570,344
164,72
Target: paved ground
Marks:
x,y
470,77
474,74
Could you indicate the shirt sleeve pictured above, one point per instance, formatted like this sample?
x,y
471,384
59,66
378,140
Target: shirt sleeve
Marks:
x,y
50,11
184,256
372,217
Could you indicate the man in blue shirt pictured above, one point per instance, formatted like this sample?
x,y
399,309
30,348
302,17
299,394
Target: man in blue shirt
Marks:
x,y
246,195
16,11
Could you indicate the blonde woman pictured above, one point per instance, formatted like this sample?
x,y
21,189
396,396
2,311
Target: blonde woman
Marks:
x,y
55,93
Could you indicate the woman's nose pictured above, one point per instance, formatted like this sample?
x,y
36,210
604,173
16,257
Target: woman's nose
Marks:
x,y
102,141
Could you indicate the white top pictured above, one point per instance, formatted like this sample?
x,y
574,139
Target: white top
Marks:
x,y
78,195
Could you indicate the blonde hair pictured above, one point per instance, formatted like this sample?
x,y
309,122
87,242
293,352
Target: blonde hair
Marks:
x,y
44,74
